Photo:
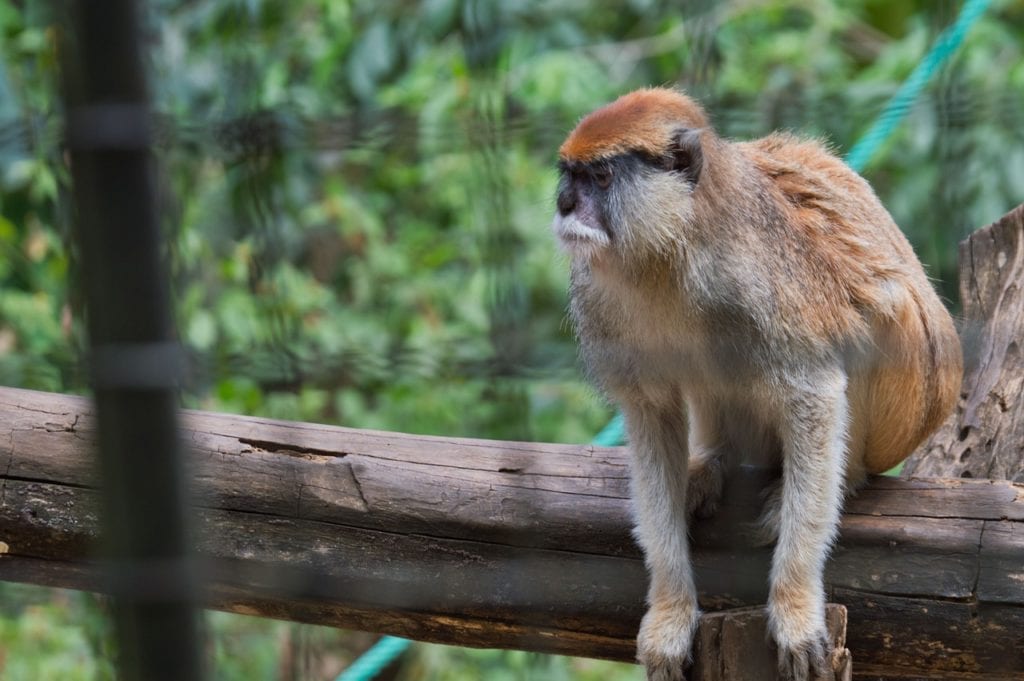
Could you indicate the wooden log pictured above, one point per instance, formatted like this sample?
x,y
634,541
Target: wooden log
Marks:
x,y
984,438
505,544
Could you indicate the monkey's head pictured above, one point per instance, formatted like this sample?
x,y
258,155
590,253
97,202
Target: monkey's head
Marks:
x,y
628,172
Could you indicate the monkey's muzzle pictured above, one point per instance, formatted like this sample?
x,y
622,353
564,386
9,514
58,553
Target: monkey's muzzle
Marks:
x,y
577,237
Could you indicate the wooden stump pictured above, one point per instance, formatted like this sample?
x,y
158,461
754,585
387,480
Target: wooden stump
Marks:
x,y
984,438
732,646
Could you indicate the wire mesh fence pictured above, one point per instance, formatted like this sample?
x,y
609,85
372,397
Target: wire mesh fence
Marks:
x,y
355,197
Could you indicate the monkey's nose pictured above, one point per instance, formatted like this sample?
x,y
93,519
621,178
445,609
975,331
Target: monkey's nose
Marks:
x,y
566,203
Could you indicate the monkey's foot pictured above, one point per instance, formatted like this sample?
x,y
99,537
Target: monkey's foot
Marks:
x,y
808,661
704,487
796,620
663,644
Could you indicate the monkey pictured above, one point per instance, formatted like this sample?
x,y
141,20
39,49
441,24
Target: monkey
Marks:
x,y
744,301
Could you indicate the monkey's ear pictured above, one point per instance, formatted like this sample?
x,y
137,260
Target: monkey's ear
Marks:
x,y
685,153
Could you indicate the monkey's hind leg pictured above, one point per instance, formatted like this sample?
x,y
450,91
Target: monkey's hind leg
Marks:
x,y
813,439
765,529
707,464
706,480
659,443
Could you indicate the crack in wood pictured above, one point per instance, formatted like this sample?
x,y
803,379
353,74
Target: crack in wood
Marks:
x,y
839,589
359,487
441,466
41,411
7,469
370,528
924,516
356,484
291,449
43,481
620,497
431,441
979,561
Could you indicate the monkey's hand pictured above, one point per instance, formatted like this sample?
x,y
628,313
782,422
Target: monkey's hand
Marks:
x,y
804,649
808,661
663,644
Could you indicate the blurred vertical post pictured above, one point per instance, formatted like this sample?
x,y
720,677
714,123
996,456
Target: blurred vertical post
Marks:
x,y
134,359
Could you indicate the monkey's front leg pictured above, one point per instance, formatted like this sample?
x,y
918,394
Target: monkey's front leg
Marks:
x,y
658,439
813,434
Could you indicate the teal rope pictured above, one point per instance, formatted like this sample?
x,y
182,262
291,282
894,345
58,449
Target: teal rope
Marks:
x,y
945,46
380,655
612,434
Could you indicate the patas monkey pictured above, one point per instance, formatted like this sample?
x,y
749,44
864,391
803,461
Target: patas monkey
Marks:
x,y
744,299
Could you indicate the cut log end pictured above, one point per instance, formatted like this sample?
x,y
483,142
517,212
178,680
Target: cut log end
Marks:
x,y
733,645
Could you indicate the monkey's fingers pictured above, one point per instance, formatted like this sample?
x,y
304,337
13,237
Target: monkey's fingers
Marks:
x,y
809,661
663,643
667,671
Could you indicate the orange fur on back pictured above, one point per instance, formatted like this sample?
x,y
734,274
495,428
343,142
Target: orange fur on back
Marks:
x,y
640,121
911,383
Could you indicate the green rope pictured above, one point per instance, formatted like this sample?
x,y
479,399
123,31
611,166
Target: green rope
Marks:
x,y
945,46
612,434
370,663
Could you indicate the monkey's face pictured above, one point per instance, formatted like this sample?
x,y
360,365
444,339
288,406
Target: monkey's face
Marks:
x,y
582,217
627,202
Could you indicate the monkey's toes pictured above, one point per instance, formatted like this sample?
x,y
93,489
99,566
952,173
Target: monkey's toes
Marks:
x,y
808,661
667,670
663,642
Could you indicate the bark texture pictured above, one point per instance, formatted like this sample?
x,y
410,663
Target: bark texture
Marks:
x,y
505,544
984,438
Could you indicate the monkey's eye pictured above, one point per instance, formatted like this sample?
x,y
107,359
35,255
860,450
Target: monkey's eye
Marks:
x,y
603,177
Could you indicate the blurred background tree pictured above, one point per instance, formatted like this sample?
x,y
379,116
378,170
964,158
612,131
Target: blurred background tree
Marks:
x,y
356,199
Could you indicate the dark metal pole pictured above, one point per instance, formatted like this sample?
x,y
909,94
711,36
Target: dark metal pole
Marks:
x,y
134,358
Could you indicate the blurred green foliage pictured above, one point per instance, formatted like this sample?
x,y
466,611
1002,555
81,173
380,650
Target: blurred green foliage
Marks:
x,y
356,195
62,636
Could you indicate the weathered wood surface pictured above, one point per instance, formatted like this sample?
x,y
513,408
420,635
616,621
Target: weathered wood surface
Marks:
x,y
506,544
730,646
984,438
